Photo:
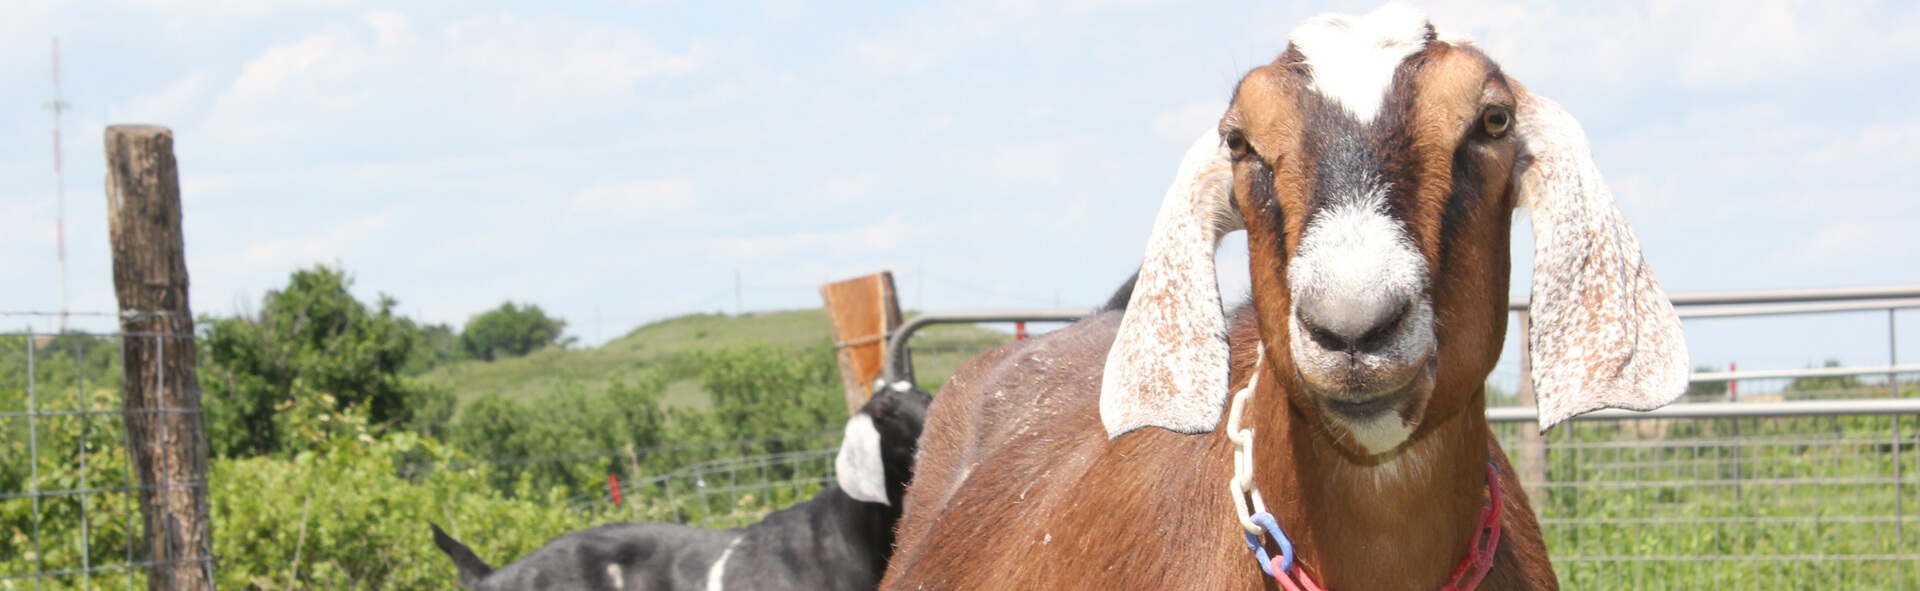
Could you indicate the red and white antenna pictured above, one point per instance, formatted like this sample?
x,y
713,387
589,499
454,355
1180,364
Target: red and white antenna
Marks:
x,y
58,105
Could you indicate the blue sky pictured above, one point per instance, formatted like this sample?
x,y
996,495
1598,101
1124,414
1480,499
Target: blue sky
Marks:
x,y
618,163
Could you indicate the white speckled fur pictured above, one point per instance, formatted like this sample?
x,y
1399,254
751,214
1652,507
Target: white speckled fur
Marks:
x,y
1353,59
1604,334
1168,365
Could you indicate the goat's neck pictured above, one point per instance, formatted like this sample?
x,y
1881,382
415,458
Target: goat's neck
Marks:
x,y
1374,522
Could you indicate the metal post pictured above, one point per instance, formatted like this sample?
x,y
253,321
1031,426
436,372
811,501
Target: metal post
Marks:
x,y
699,483
1893,356
1893,391
1533,444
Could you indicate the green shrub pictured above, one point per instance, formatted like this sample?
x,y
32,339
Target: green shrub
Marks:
x,y
509,331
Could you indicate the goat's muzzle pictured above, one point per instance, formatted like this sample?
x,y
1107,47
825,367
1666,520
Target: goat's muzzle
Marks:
x,y
1362,325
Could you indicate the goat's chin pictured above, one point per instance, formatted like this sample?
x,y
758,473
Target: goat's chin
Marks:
x,y
1376,429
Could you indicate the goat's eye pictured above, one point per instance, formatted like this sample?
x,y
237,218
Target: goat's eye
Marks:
x,y
1237,143
1496,122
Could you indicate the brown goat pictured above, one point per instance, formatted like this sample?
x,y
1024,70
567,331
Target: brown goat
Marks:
x,y
1376,166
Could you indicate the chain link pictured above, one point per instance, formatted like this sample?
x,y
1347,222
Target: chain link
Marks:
x,y
1242,486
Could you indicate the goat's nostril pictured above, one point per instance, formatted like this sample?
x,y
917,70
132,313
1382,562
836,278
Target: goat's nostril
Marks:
x,y
1381,334
1355,328
1325,338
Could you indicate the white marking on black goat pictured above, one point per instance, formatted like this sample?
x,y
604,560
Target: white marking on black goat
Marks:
x,y
1353,59
858,465
613,573
718,571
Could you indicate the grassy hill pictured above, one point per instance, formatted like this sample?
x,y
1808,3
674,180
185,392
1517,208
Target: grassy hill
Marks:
x,y
668,342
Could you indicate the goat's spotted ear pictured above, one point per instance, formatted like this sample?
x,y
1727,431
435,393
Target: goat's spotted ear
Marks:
x,y
1603,333
858,467
1168,365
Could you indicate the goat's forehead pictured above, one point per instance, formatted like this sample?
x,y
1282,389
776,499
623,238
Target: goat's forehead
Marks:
x,y
1352,60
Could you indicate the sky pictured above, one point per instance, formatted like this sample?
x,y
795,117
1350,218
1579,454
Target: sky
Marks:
x,y
619,163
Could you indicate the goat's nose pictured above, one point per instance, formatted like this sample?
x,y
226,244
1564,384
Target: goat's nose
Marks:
x,y
1353,325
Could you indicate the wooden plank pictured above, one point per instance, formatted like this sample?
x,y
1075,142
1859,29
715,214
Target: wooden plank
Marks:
x,y
164,423
863,310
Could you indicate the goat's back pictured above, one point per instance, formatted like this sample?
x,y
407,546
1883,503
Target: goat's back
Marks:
x,y
1017,486
617,556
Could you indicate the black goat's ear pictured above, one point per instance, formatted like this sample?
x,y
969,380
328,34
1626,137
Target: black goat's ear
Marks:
x,y
859,466
1168,364
1603,333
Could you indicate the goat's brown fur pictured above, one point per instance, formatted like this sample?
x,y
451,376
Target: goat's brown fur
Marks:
x,y
1018,487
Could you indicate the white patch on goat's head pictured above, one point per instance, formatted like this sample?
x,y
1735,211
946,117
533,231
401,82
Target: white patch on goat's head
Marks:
x,y
1354,58
861,473
614,575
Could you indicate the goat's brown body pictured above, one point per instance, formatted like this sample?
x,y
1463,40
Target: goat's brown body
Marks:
x,y
1018,487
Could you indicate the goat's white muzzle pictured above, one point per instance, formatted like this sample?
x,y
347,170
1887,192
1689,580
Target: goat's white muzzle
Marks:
x,y
1362,325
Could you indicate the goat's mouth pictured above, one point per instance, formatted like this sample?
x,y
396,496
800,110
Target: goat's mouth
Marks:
x,y
1369,397
1363,410
1376,423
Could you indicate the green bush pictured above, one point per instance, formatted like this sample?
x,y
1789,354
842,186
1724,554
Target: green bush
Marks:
x,y
312,352
510,331
342,517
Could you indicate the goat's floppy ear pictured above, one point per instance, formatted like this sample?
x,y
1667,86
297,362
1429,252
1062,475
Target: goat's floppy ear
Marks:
x,y
858,467
1603,333
1168,365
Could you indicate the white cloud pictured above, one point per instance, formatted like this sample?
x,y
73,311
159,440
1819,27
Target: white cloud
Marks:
x,y
844,190
877,238
176,104
1844,244
389,26
1745,41
636,200
291,252
1188,122
264,74
1894,145
623,66
559,54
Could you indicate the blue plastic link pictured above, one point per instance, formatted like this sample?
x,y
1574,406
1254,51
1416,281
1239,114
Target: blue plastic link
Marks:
x,y
1265,520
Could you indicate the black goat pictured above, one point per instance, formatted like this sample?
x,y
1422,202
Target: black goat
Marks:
x,y
838,540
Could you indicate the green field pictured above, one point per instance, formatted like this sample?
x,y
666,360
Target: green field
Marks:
x,y
667,343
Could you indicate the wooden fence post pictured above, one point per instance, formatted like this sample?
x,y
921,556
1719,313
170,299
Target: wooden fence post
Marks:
x,y
864,311
165,432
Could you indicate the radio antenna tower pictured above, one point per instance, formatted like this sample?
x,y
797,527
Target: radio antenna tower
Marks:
x,y
59,105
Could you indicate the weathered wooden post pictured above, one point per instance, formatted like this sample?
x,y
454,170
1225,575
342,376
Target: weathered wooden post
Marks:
x,y
864,312
165,434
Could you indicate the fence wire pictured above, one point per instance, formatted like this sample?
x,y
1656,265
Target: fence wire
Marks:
x,y
1765,503
70,514
728,492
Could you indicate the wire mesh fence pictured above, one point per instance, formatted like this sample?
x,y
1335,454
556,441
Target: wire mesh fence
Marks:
x,y
726,492
70,493
1790,502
